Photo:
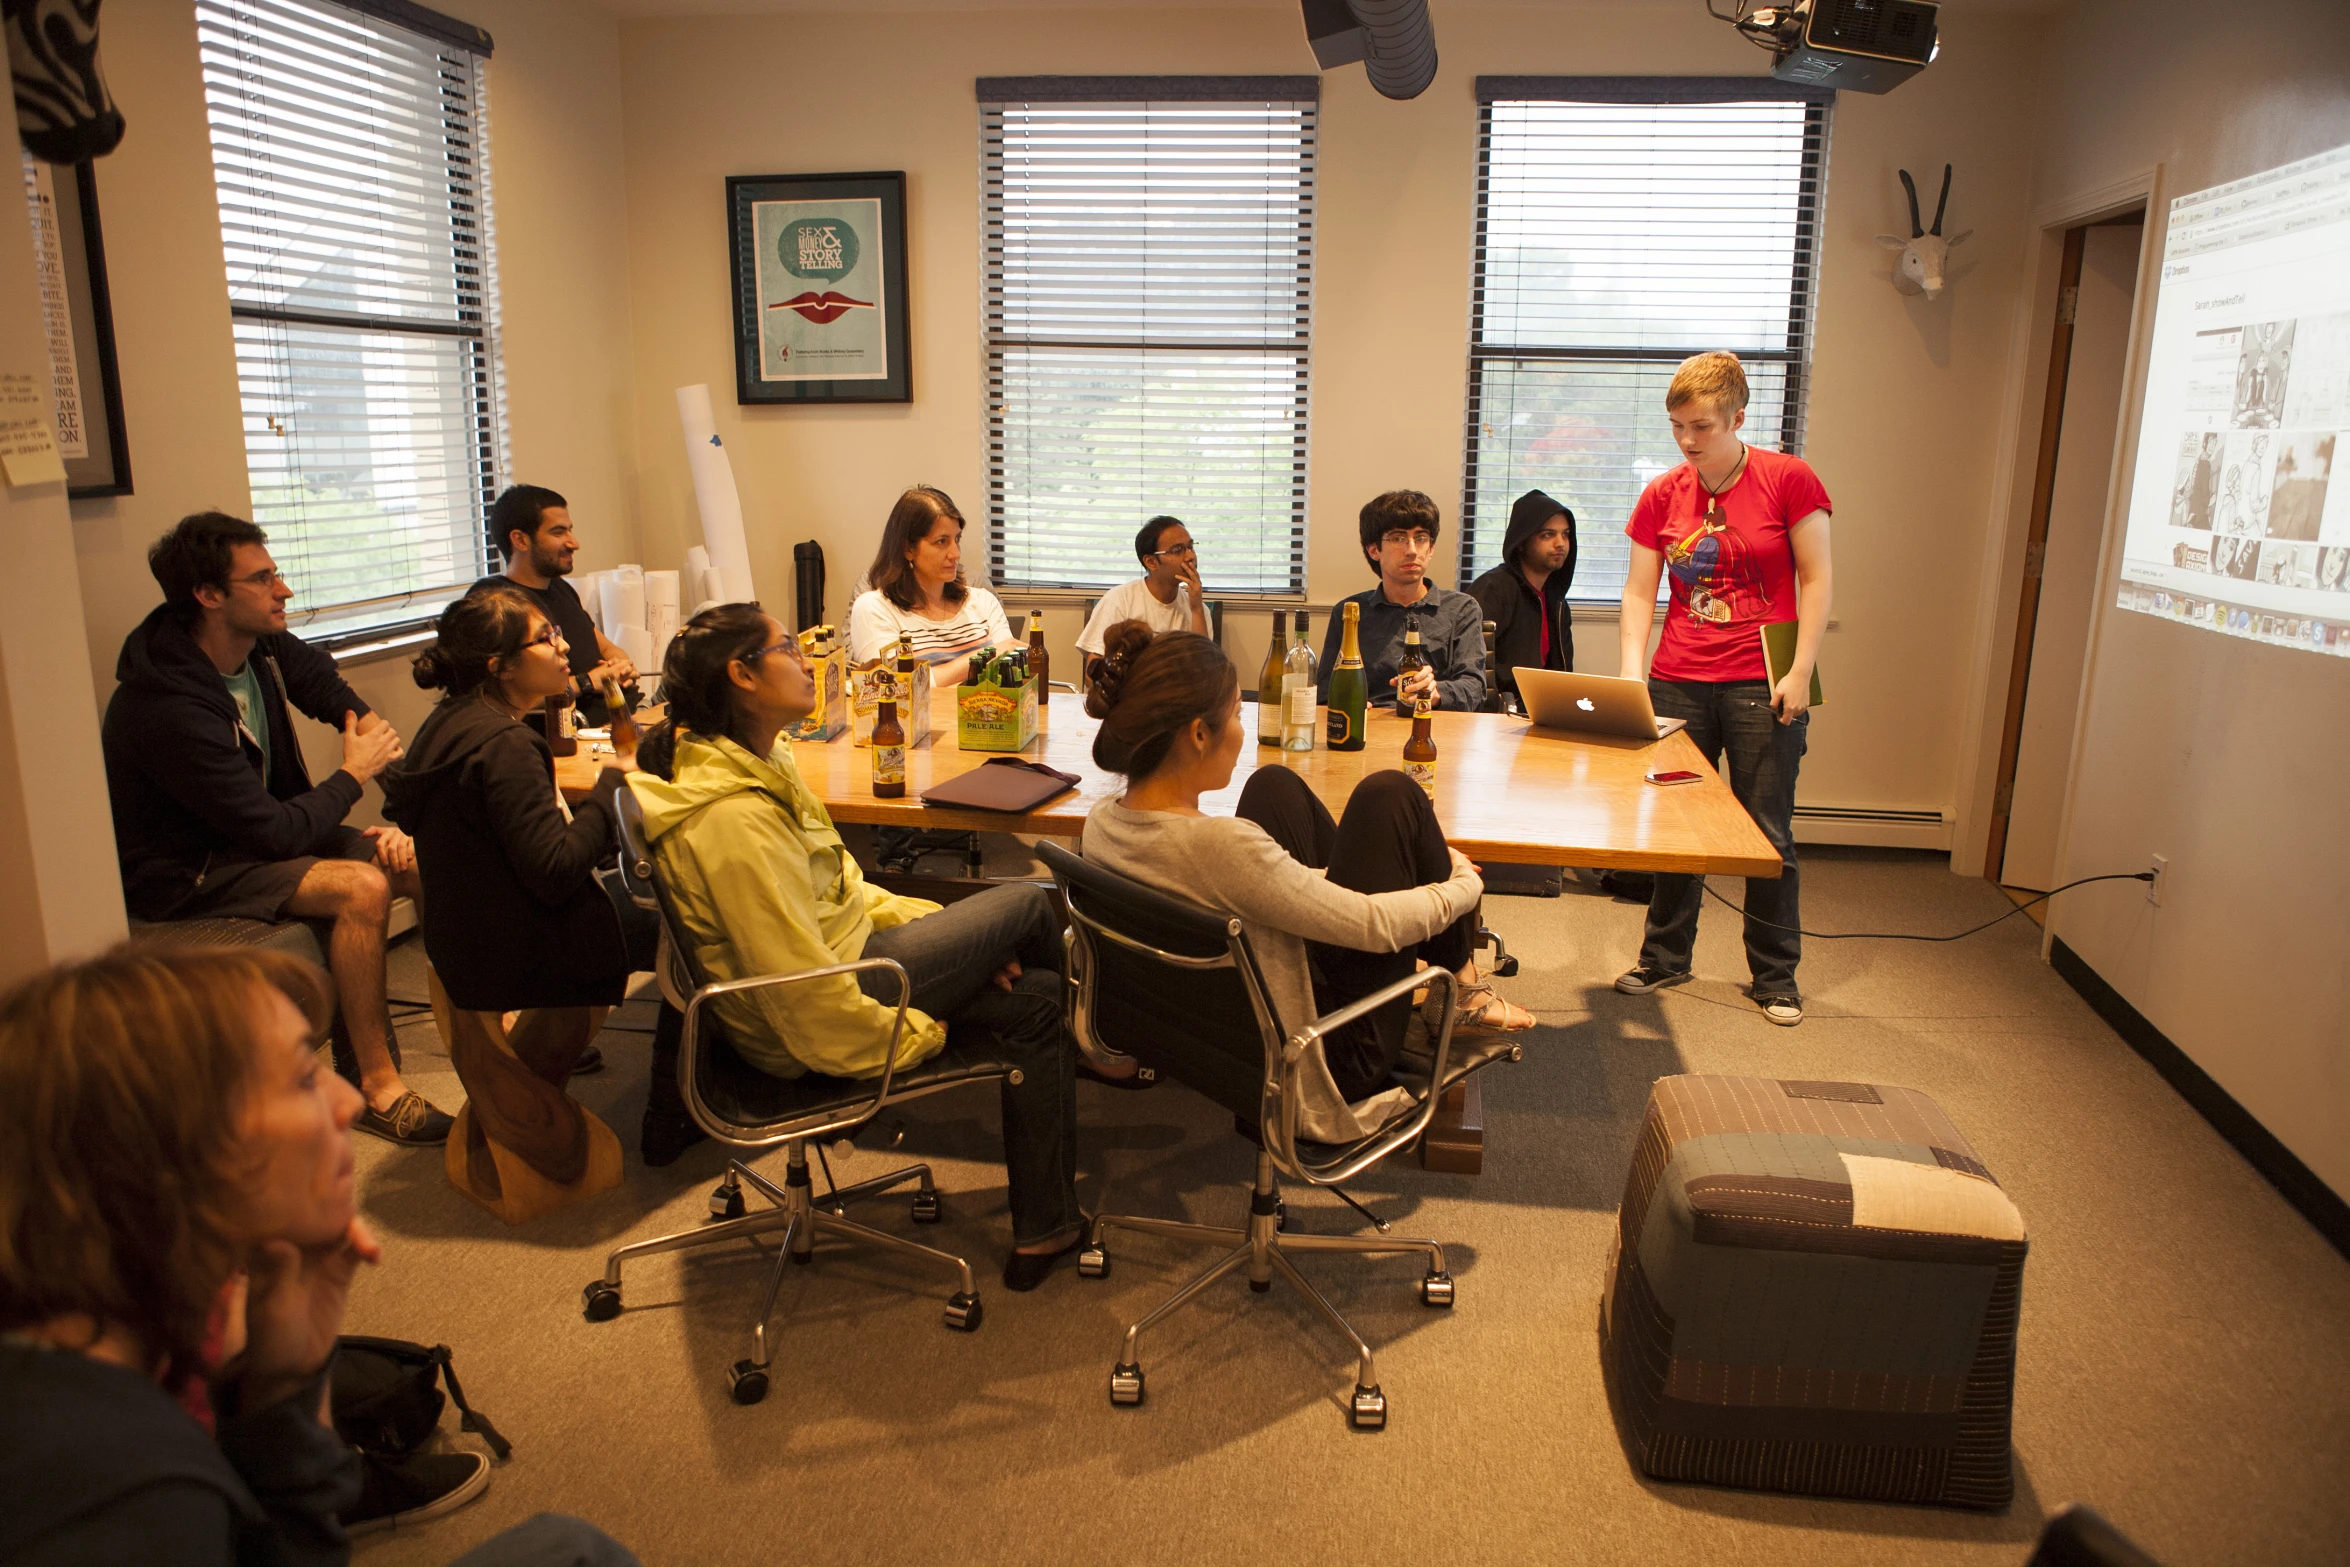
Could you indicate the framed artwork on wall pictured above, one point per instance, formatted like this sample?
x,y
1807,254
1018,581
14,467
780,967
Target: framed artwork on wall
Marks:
x,y
69,255
819,288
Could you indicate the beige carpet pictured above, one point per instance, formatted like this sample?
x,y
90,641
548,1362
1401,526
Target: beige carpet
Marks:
x,y
2185,1359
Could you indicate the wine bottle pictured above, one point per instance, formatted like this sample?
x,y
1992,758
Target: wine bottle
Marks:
x,y
1350,690
889,753
1269,682
1419,752
1413,658
1298,719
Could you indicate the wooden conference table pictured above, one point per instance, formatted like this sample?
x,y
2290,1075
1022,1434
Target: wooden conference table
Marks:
x,y
1505,791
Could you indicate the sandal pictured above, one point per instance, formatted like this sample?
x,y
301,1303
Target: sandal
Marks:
x,y
1487,1011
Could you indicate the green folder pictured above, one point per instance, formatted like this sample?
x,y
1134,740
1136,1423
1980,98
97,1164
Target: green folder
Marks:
x,y
1778,645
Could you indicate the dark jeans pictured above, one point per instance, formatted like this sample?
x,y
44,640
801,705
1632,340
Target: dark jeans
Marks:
x,y
951,958
1388,840
1732,719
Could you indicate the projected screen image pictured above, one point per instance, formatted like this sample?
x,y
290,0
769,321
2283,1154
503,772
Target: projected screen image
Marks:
x,y
2238,522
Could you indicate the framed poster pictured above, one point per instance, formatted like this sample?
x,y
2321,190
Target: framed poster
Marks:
x,y
69,258
819,288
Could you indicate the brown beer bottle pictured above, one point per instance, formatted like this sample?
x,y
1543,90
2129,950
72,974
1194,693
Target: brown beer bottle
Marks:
x,y
1412,658
624,726
1040,664
1419,752
560,738
889,753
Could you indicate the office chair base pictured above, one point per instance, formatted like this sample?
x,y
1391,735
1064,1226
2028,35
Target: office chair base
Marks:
x,y
795,1214
1262,1249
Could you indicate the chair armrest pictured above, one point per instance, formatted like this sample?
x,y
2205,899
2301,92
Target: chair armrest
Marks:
x,y
1395,1137
689,1044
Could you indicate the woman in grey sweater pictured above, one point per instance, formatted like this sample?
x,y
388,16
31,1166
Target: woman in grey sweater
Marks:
x,y
1334,909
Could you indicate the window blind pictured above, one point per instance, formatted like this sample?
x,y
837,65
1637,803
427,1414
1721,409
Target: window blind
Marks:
x,y
348,155
1614,239
1149,286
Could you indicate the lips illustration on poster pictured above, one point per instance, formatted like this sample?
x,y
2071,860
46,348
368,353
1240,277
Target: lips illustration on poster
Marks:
x,y
824,308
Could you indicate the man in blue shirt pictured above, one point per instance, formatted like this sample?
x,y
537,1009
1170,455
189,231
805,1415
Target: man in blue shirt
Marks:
x,y
1399,531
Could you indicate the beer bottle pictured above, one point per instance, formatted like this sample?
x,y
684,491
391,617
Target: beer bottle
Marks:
x,y
1419,752
1350,689
889,753
1297,693
916,686
1269,682
624,727
1040,664
561,738
1413,658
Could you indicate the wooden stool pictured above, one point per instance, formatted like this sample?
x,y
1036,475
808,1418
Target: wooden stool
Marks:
x,y
522,1146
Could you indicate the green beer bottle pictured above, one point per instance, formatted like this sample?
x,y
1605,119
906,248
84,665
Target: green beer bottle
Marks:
x,y
1349,691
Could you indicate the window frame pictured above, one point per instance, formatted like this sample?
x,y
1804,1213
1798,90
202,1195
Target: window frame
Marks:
x,y
996,94
464,51
1803,300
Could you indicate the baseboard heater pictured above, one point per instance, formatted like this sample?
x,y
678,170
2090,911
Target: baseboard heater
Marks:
x,y
1872,826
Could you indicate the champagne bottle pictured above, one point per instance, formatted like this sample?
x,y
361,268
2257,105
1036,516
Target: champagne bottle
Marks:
x,y
889,753
1419,752
1269,682
1297,693
1040,663
1413,658
1350,689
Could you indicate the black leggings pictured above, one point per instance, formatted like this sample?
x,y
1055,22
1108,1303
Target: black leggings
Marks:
x,y
1388,840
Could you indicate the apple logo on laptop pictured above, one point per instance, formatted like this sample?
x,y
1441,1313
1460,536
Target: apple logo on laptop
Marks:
x,y
1584,703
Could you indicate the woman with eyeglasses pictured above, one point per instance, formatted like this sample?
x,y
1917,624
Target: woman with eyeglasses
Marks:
x,y
516,921
759,879
1167,597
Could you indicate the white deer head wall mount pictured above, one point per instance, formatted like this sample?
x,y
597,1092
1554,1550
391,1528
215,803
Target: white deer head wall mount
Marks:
x,y
1919,271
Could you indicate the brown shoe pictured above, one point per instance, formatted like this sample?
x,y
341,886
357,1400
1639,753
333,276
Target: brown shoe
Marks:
x,y
411,1122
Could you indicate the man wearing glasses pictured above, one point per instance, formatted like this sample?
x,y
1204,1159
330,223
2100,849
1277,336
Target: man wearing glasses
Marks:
x,y
215,815
1399,539
1166,598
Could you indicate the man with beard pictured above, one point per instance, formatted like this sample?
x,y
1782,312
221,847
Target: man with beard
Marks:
x,y
533,525
1526,595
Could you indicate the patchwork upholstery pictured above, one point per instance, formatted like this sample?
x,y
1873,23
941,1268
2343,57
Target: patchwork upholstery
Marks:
x,y
1814,1288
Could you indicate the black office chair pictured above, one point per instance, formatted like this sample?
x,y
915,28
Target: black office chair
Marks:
x,y
743,1107
1177,987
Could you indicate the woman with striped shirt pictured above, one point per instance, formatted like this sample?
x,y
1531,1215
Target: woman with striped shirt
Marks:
x,y
916,592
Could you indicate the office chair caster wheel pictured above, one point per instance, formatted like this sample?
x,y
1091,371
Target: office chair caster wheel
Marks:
x,y
963,1312
926,1208
726,1203
1280,1214
1369,1410
600,1302
1436,1290
747,1382
1126,1385
1093,1263
1507,968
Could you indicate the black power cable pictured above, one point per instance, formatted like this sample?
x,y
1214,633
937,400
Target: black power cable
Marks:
x,y
1895,935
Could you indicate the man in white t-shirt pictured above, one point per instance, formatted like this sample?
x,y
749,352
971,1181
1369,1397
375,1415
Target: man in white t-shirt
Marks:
x,y
1168,598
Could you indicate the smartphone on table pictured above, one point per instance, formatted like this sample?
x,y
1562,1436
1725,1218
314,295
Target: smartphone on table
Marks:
x,y
1674,776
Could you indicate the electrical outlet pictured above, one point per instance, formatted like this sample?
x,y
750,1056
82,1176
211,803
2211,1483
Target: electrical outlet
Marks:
x,y
2161,867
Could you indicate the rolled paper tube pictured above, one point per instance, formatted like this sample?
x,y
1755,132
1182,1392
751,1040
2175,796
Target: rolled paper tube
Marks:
x,y
697,561
637,643
660,593
714,587
660,626
589,585
714,493
624,600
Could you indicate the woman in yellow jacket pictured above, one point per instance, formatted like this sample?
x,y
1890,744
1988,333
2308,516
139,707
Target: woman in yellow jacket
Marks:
x,y
762,885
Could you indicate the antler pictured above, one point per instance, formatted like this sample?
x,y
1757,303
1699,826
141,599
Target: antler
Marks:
x,y
1939,205
1910,185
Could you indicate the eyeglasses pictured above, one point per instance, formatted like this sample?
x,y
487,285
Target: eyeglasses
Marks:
x,y
1178,549
262,579
1416,539
550,637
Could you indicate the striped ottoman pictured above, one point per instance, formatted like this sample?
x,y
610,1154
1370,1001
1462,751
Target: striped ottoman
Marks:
x,y
1814,1288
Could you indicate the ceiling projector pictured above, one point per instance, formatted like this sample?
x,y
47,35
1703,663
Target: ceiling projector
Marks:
x,y
1868,46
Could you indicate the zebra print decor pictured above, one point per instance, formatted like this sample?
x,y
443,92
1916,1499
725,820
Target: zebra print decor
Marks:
x,y
63,111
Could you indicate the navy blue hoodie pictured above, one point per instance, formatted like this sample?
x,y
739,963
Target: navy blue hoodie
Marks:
x,y
186,779
1516,609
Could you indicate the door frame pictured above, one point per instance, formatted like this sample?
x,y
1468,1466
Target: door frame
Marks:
x,y
2006,541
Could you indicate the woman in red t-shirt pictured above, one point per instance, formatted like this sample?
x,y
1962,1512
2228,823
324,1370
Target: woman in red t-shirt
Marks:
x,y
1744,534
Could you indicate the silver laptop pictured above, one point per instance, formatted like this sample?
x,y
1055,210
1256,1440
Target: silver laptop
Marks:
x,y
1595,704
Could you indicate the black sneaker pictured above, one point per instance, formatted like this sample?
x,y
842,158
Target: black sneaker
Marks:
x,y
1782,1007
411,1122
411,1490
665,1135
590,1062
1641,979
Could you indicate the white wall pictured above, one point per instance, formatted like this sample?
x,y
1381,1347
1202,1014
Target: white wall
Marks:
x,y
1906,393
2225,756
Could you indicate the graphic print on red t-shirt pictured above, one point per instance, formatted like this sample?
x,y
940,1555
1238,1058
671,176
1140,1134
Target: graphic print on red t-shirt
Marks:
x,y
1727,557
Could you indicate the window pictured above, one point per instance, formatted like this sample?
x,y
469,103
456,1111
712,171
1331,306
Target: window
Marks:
x,y
1149,251
1623,225
354,212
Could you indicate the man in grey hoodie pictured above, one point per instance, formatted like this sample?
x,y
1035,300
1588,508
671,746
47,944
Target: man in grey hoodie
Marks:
x,y
1526,595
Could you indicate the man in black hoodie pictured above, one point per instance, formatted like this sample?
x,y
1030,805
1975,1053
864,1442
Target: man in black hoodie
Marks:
x,y
215,815
1526,595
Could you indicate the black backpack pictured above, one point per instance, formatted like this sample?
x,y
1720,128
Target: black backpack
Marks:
x,y
387,1400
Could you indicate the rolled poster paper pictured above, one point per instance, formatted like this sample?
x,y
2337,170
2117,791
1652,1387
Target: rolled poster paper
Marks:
x,y
714,492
